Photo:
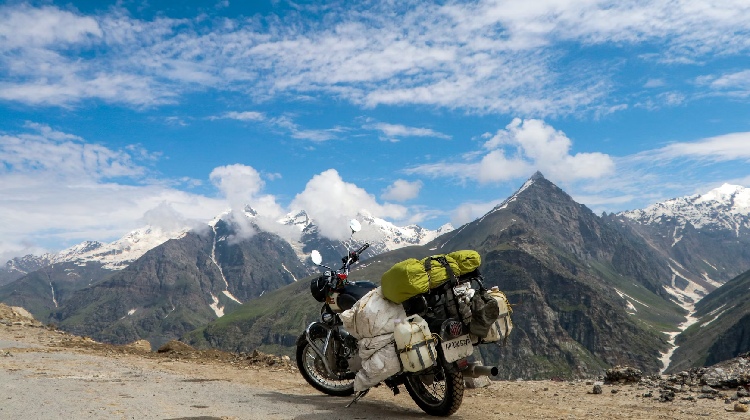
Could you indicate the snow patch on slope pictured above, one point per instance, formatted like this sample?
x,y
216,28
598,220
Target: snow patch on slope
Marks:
x,y
218,310
716,313
687,298
629,307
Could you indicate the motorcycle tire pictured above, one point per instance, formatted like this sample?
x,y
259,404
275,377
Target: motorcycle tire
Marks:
x,y
438,391
313,370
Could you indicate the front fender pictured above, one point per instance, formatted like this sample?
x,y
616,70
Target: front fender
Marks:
x,y
315,329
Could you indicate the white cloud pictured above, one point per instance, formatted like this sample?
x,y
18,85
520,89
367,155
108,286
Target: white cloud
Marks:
x,y
242,186
495,167
296,132
674,170
393,131
44,151
468,212
332,202
402,190
733,146
524,145
25,26
58,189
732,84
654,83
241,116
487,57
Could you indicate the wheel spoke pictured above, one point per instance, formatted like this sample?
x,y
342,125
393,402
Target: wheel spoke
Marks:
x,y
316,369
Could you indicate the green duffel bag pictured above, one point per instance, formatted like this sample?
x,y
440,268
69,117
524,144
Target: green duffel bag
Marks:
x,y
468,261
409,278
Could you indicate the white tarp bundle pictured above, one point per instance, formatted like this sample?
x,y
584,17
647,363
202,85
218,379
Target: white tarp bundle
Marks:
x,y
372,321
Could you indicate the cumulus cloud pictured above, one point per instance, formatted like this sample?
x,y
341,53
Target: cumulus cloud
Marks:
x,y
242,186
165,217
332,202
402,190
524,145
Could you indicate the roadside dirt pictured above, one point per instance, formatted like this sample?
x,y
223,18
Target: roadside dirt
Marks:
x,y
50,374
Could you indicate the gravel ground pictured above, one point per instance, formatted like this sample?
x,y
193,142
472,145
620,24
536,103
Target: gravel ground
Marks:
x,y
47,374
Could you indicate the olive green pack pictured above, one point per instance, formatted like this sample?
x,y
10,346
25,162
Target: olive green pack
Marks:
x,y
410,277
468,261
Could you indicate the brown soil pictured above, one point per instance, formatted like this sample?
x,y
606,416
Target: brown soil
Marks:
x,y
502,399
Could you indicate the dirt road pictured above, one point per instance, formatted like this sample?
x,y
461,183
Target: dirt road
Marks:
x,y
46,374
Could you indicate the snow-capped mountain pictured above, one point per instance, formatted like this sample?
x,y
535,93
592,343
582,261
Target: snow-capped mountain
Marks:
x,y
20,266
394,237
704,238
120,253
724,208
382,235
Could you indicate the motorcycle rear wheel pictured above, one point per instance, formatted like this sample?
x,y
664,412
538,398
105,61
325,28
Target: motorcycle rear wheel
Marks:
x,y
438,391
314,371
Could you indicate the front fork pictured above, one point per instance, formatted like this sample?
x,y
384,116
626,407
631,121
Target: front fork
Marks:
x,y
331,345
325,350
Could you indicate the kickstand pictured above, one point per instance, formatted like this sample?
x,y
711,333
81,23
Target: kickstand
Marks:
x,y
357,397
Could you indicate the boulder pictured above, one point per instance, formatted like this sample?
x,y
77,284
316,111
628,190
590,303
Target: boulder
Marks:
x,y
623,374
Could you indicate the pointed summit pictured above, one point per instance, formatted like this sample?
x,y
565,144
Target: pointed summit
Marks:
x,y
537,176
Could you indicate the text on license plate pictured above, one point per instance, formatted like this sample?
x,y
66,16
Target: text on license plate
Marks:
x,y
458,348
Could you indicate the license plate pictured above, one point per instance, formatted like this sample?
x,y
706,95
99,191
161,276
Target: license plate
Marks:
x,y
458,348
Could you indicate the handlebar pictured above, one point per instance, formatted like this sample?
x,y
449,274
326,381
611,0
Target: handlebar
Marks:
x,y
354,255
362,248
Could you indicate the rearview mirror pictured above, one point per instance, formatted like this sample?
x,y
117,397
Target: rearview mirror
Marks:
x,y
355,226
316,257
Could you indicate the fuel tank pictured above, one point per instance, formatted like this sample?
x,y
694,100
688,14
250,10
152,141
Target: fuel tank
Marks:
x,y
344,298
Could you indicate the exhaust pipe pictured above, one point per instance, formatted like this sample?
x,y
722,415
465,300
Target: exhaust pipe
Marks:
x,y
476,370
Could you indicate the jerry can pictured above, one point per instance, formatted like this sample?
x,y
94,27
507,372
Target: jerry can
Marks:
x,y
414,344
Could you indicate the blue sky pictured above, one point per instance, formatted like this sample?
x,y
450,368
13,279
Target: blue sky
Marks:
x,y
116,114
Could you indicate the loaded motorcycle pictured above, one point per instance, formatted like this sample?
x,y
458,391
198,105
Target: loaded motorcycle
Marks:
x,y
327,355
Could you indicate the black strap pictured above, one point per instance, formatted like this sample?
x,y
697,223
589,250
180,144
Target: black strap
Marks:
x,y
443,262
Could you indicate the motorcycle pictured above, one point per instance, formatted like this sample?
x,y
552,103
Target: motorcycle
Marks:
x,y
327,355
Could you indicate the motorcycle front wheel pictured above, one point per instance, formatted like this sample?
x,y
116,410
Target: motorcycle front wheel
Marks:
x,y
314,371
438,391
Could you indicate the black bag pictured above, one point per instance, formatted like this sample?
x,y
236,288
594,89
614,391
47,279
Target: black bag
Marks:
x,y
484,312
458,306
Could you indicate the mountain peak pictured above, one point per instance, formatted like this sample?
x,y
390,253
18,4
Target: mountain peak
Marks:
x,y
537,176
